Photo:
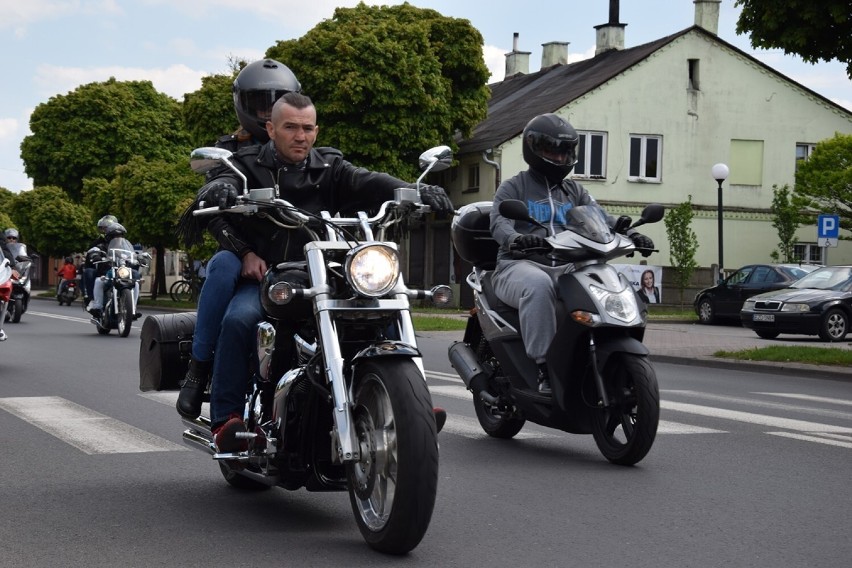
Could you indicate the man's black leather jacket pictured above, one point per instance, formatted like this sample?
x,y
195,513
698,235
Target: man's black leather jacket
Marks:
x,y
326,182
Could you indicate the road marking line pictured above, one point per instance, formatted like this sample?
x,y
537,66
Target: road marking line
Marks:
x,y
808,397
57,316
759,419
782,406
444,376
817,439
87,430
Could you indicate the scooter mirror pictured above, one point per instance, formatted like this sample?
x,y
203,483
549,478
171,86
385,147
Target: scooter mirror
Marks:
x,y
653,213
514,209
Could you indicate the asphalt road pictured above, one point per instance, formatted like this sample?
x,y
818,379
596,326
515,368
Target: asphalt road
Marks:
x,y
748,469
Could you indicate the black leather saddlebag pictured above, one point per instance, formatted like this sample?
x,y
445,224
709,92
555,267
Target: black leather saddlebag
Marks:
x,y
165,350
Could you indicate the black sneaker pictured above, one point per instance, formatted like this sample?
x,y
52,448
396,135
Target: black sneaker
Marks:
x,y
543,381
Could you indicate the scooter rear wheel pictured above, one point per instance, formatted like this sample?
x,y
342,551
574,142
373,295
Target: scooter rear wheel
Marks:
x,y
625,431
493,423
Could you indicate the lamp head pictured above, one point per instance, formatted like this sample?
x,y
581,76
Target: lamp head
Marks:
x,y
720,172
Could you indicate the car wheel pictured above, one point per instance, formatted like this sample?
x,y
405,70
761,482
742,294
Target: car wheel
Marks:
x,y
705,311
767,334
835,325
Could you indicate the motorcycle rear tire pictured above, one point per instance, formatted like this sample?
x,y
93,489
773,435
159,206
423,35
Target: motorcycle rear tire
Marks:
x,y
125,312
392,488
495,425
625,432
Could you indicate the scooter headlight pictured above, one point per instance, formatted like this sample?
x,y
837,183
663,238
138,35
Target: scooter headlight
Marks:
x,y
619,305
373,270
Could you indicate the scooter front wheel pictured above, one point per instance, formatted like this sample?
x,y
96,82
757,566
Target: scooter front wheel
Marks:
x,y
625,431
392,487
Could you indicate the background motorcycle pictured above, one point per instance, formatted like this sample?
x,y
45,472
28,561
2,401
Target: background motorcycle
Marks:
x,y
598,368
20,299
5,292
70,292
120,282
342,404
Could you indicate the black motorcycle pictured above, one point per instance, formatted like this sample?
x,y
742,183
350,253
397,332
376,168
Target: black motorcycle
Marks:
x,y
120,283
341,404
602,381
20,300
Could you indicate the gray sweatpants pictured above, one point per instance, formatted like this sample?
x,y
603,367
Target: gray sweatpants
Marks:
x,y
531,288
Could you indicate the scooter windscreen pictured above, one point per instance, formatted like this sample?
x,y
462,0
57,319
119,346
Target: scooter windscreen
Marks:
x,y
589,221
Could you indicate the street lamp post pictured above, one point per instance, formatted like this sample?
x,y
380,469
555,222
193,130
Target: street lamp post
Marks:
x,y
720,173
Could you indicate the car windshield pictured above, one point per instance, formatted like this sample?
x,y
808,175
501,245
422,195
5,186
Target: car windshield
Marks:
x,y
796,272
827,278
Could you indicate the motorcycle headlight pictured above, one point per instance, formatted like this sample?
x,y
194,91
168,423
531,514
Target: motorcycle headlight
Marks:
x,y
373,270
619,305
123,272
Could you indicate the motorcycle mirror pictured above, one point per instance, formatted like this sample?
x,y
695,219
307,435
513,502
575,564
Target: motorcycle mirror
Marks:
x,y
436,159
202,160
652,213
515,210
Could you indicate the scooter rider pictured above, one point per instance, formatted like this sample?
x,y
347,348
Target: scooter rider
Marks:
x,y
66,273
550,150
314,179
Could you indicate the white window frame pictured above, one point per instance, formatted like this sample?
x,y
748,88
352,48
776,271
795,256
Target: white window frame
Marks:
x,y
643,157
808,148
809,250
586,136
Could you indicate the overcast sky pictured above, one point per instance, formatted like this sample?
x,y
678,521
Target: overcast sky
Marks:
x,y
50,47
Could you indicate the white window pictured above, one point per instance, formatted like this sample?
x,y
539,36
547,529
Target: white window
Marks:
x,y
803,152
646,152
591,156
809,252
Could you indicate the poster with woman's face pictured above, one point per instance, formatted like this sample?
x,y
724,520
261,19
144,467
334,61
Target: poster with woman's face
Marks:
x,y
645,280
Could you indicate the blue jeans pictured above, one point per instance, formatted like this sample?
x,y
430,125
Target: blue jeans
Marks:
x,y
235,351
223,273
89,275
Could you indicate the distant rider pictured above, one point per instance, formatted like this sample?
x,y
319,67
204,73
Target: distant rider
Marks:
x,y
66,273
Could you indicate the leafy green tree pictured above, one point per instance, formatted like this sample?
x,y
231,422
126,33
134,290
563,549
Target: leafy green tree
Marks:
x,y
50,222
390,81
164,187
208,113
98,126
786,219
815,31
683,244
824,180
6,198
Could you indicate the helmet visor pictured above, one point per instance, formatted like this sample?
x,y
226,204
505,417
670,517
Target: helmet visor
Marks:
x,y
258,103
553,150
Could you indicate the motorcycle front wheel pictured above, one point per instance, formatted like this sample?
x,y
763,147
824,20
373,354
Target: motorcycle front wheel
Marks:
x,y
392,487
625,431
125,312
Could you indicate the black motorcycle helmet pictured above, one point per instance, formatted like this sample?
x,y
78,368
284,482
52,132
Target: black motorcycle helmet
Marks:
x,y
105,222
550,146
114,230
256,88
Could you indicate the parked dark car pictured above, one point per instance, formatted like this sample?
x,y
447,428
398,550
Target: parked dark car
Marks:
x,y
817,304
725,300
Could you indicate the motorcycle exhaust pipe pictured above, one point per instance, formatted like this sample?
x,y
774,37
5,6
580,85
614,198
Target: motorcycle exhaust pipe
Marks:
x,y
198,434
466,364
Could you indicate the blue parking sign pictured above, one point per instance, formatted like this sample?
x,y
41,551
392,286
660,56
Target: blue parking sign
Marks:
x,y
828,226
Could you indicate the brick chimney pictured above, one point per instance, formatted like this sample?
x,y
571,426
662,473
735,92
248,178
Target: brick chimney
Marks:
x,y
611,34
554,53
517,61
707,15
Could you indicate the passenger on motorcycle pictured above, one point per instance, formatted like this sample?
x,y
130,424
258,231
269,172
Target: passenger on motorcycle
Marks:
x,y
113,231
314,179
91,270
550,150
255,90
66,273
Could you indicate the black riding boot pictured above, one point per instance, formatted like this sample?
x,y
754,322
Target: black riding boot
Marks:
x,y
543,380
192,389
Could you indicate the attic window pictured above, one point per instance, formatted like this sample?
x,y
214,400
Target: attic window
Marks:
x,y
693,74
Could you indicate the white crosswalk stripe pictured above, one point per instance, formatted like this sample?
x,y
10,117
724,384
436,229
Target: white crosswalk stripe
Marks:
x,y
89,431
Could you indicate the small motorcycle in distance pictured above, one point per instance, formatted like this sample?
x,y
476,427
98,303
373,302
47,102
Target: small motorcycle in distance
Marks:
x,y
602,381
70,292
120,283
5,292
20,300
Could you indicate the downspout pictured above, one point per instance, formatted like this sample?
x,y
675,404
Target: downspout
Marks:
x,y
494,164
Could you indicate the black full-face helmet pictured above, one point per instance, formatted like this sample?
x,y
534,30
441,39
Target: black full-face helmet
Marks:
x,y
256,88
550,146
114,230
105,222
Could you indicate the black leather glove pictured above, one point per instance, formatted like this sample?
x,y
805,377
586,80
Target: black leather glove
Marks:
x,y
643,243
435,197
221,193
526,242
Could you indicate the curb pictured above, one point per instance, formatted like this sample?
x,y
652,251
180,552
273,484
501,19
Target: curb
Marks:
x,y
768,367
